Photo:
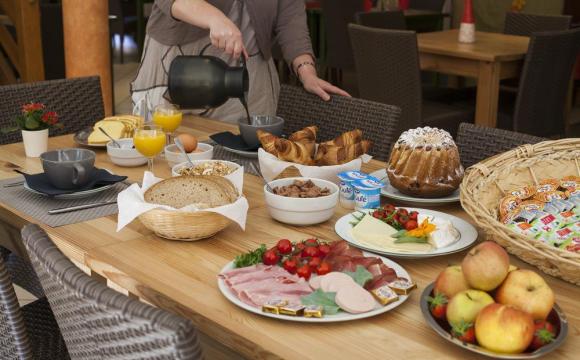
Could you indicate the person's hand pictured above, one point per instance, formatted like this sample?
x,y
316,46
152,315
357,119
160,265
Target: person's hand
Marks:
x,y
225,35
315,85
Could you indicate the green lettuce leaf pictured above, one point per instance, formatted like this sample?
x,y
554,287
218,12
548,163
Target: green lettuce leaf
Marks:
x,y
360,275
324,299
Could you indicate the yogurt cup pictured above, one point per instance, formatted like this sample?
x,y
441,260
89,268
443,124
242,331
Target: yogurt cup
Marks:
x,y
346,190
367,193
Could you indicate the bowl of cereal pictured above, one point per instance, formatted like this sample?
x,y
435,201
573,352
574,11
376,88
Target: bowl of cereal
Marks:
x,y
205,167
301,201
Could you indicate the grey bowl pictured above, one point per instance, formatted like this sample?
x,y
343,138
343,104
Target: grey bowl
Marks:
x,y
269,123
556,317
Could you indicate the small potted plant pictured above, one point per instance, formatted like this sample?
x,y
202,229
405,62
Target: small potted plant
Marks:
x,y
34,122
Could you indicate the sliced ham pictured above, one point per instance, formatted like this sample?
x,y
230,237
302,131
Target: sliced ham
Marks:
x,y
274,271
333,281
380,281
354,299
245,270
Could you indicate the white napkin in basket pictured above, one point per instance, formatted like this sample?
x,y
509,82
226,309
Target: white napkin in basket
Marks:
x,y
271,166
132,204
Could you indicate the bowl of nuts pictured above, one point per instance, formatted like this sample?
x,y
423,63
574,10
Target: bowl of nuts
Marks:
x,y
205,167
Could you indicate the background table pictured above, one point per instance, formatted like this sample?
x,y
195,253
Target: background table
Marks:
x,y
491,58
182,277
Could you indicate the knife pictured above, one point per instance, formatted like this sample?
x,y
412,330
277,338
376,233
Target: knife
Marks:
x,y
80,207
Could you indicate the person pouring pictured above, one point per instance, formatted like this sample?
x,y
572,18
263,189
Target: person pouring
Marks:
x,y
234,28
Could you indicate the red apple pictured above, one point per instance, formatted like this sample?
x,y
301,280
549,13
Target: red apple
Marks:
x,y
465,305
504,329
528,292
450,281
485,266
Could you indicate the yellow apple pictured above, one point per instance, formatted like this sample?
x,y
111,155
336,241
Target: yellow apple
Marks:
x,y
485,266
504,329
450,281
465,306
528,292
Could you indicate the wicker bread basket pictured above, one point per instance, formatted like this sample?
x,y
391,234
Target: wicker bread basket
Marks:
x,y
184,226
485,183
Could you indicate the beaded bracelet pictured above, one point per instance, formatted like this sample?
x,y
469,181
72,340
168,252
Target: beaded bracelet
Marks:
x,y
301,65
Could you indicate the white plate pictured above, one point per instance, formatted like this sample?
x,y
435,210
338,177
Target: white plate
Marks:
x,y
340,316
74,195
82,138
248,154
391,192
467,236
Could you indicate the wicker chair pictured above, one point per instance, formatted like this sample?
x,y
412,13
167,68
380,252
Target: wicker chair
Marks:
x,y
394,20
78,102
433,5
477,143
378,121
387,63
540,103
526,24
100,323
28,332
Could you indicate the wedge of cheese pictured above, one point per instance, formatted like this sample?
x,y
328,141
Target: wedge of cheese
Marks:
x,y
376,234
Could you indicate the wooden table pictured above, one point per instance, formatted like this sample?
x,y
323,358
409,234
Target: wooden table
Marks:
x,y
491,58
181,277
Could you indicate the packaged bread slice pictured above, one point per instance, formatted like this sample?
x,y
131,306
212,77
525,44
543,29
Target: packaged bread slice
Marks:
x,y
204,191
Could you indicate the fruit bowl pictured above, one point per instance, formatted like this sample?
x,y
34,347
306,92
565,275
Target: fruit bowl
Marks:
x,y
556,317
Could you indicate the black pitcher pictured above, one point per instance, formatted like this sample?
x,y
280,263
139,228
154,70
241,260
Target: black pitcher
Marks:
x,y
203,81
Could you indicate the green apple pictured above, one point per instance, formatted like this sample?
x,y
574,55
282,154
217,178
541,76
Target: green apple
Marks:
x,y
465,306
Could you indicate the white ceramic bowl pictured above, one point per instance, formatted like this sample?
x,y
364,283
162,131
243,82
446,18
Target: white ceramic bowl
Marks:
x,y
302,211
174,156
126,155
176,168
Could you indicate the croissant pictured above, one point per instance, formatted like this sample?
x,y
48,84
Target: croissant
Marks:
x,y
268,141
293,151
306,136
347,138
336,155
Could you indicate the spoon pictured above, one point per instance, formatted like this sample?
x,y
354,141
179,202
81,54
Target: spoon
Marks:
x,y
109,136
255,168
180,147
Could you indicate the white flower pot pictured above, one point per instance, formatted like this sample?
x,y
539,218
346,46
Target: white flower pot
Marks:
x,y
35,142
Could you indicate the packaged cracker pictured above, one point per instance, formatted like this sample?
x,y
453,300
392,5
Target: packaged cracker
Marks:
x,y
508,204
524,193
548,196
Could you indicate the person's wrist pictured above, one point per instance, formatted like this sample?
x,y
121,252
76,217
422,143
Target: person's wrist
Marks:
x,y
305,70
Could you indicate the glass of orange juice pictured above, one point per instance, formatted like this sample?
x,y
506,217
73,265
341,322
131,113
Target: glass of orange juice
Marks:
x,y
149,140
168,117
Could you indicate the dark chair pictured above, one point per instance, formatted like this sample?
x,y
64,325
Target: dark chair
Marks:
x,y
394,20
78,102
99,323
337,15
123,18
477,143
433,5
387,63
544,84
299,109
525,24
28,332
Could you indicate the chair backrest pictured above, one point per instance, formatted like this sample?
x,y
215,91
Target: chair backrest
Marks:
x,y
525,24
378,122
477,143
99,323
78,102
546,75
337,15
14,341
387,68
394,20
433,5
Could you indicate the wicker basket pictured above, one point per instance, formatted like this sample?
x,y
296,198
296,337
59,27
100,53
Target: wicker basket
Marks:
x,y
184,226
485,183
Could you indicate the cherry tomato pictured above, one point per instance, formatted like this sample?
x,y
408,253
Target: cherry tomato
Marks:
x,y
403,211
413,215
410,225
311,242
270,257
389,208
298,248
311,251
314,263
403,219
304,272
290,265
284,246
324,250
324,268
376,215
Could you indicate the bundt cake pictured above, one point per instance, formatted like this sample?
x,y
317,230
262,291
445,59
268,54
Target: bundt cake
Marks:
x,y
425,163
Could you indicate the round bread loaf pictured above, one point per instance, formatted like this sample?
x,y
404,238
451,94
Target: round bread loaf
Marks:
x,y
204,191
425,163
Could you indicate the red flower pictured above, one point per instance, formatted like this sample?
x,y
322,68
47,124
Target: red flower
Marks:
x,y
26,108
50,117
